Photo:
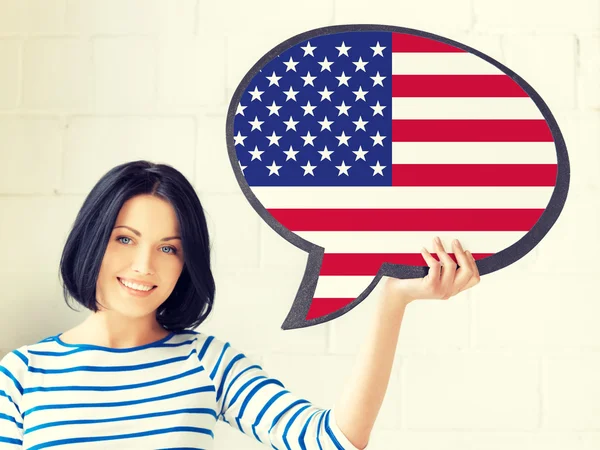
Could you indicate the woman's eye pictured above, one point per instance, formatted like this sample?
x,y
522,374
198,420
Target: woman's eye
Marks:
x,y
174,250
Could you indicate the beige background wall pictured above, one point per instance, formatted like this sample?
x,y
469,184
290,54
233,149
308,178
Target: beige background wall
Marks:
x,y
86,85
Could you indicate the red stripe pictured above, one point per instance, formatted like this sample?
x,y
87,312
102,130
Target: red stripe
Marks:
x,y
409,43
407,219
364,264
323,306
455,86
471,130
474,174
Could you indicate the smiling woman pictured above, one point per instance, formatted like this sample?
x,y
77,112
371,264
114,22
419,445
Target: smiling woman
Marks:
x,y
134,374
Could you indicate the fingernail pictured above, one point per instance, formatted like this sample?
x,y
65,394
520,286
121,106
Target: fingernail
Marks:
x,y
458,244
437,239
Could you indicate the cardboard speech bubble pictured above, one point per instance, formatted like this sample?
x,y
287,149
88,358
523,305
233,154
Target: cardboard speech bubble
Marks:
x,y
360,143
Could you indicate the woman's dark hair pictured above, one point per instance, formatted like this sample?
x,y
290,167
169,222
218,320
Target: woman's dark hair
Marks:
x,y
191,301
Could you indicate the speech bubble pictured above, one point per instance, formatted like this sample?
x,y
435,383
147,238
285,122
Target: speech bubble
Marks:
x,y
360,143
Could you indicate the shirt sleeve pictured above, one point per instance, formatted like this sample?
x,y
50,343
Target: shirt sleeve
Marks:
x,y
12,368
260,406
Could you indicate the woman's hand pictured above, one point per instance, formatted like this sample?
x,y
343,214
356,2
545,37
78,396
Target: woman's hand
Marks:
x,y
443,280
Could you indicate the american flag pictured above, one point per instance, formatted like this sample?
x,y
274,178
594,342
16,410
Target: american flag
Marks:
x,y
369,144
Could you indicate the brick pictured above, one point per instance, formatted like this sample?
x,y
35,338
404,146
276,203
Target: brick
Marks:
x,y
571,391
9,75
513,15
471,390
51,79
94,145
176,17
30,149
588,86
125,72
192,71
547,64
32,16
112,16
276,251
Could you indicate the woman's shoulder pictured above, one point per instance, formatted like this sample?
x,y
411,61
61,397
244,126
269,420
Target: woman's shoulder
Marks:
x,y
13,366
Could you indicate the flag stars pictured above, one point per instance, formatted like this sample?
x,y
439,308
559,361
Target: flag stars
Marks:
x,y
240,109
308,109
290,65
273,109
325,94
360,154
291,94
309,169
343,79
242,167
256,124
326,65
343,109
377,139
256,94
343,139
291,154
378,79
308,139
239,139
378,50
360,64
378,109
343,169
360,94
273,139
377,169
360,124
308,50
325,154
273,169
274,79
325,124
255,153
291,124
308,79
343,49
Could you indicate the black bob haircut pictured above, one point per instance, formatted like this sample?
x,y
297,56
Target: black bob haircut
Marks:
x,y
192,299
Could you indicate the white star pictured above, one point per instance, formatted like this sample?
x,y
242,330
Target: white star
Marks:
x,y
239,139
377,139
360,124
308,50
378,50
378,109
256,153
325,94
326,124
242,167
377,79
291,124
325,65
343,50
360,94
273,79
291,64
240,109
343,168
360,64
325,154
273,109
309,169
360,154
273,139
308,139
255,124
308,109
343,79
290,94
273,169
343,109
377,169
344,138
291,154
308,79
256,94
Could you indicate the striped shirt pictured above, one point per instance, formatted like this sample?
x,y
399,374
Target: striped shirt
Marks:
x,y
167,394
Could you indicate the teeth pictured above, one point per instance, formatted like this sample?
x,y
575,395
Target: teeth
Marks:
x,y
137,287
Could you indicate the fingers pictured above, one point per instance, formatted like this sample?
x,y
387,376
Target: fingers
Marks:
x,y
464,274
475,277
434,265
448,270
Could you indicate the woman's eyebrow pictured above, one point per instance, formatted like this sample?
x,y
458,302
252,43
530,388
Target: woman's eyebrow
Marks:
x,y
140,234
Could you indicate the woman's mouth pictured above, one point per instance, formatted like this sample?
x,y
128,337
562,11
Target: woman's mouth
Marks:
x,y
136,292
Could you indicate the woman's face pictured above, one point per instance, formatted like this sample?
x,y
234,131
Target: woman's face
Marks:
x,y
145,257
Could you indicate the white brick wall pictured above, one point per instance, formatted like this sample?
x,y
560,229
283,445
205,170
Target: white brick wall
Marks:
x,y
88,84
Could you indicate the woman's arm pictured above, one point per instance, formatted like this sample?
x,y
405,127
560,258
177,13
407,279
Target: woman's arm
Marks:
x,y
357,409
